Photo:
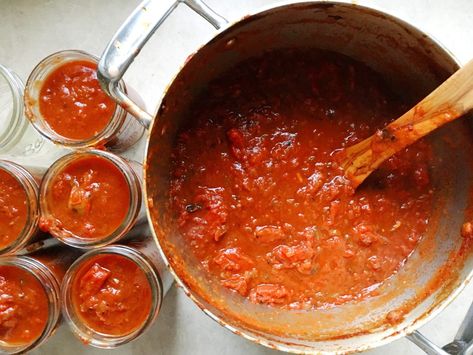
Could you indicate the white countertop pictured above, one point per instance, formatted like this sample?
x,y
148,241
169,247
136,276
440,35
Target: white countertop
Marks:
x,y
32,29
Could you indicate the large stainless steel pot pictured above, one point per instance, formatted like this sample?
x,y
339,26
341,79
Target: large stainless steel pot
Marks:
x,y
412,62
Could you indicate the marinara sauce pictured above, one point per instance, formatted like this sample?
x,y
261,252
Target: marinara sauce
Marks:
x,y
111,295
30,305
259,197
13,208
89,197
19,208
72,102
23,306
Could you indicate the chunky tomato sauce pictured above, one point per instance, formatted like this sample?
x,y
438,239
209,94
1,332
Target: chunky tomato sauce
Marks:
x,y
111,294
13,208
90,198
72,102
23,306
260,199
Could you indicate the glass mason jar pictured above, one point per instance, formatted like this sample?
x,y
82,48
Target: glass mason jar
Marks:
x,y
18,138
81,328
43,272
132,173
121,132
29,183
142,240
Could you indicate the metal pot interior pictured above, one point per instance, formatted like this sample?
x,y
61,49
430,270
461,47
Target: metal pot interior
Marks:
x,y
413,64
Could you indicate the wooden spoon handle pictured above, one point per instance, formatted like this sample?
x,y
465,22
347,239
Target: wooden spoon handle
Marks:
x,y
449,101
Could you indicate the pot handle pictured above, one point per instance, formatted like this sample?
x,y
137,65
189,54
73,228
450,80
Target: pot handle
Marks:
x,y
425,344
461,345
131,37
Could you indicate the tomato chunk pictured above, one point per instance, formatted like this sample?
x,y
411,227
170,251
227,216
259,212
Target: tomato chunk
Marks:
x,y
269,294
93,280
292,257
237,283
233,260
267,234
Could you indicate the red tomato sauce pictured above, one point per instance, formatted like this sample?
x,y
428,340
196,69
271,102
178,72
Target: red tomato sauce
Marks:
x,y
260,199
23,306
72,102
111,294
90,198
13,208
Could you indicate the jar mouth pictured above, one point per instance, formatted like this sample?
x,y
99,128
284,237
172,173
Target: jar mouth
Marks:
x,y
30,187
52,292
86,333
31,102
12,86
63,234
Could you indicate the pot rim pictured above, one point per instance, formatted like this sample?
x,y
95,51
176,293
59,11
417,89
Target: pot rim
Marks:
x,y
248,334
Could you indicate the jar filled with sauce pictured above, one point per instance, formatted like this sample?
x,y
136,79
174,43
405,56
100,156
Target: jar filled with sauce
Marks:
x,y
91,198
30,306
19,207
65,103
113,294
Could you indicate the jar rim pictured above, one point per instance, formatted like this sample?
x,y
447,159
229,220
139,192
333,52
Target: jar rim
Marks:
x,y
15,122
30,99
128,222
84,332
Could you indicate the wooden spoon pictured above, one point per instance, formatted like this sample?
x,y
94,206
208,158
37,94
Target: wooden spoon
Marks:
x,y
451,100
